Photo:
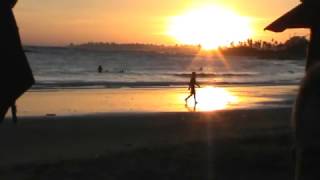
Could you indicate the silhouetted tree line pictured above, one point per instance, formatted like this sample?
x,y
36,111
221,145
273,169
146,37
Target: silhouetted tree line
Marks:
x,y
140,48
293,48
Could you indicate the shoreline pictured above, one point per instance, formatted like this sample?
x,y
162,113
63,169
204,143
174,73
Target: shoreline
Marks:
x,y
146,85
61,102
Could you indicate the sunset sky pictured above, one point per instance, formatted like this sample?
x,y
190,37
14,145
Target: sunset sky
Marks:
x,y
56,22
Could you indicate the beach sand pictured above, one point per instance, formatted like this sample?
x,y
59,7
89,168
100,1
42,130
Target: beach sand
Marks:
x,y
228,144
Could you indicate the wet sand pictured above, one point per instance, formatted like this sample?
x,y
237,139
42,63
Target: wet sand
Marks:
x,y
171,99
229,144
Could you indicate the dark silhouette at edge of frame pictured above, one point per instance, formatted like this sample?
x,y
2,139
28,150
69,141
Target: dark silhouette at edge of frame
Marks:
x,y
307,126
305,115
192,88
15,74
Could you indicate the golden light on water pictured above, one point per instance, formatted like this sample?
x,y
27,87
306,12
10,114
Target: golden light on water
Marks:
x,y
212,98
87,101
209,26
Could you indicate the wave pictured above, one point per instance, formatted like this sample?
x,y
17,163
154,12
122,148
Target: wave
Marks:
x,y
99,85
208,75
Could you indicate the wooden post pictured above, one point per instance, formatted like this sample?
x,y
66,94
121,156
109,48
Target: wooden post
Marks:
x,y
314,47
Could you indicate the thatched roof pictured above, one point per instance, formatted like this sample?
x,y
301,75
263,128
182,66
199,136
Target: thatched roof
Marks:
x,y
310,1
304,15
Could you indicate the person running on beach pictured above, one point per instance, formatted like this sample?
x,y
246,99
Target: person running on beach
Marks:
x,y
192,87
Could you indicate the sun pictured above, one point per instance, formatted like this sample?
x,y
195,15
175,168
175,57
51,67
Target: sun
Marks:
x,y
209,26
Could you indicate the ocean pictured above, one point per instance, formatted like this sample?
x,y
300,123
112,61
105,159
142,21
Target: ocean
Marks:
x,y
75,68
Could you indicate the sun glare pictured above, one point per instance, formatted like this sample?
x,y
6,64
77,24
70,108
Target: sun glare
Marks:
x,y
213,98
210,26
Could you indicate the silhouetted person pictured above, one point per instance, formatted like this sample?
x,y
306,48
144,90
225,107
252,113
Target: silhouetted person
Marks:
x,y
307,126
306,113
192,87
100,69
15,73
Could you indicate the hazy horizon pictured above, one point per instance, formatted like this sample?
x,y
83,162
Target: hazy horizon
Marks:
x,y
51,23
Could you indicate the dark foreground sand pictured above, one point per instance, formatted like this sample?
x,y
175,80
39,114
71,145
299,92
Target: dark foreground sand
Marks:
x,y
237,144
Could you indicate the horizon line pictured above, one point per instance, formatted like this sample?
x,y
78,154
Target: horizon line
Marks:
x,y
145,43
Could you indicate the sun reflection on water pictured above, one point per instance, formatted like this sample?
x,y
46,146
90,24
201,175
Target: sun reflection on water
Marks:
x,y
212,98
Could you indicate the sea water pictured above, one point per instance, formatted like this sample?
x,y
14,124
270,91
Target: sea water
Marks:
x,y
65,67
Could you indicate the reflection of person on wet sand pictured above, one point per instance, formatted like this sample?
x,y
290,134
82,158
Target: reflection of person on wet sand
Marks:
x,y
192,87
191,108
